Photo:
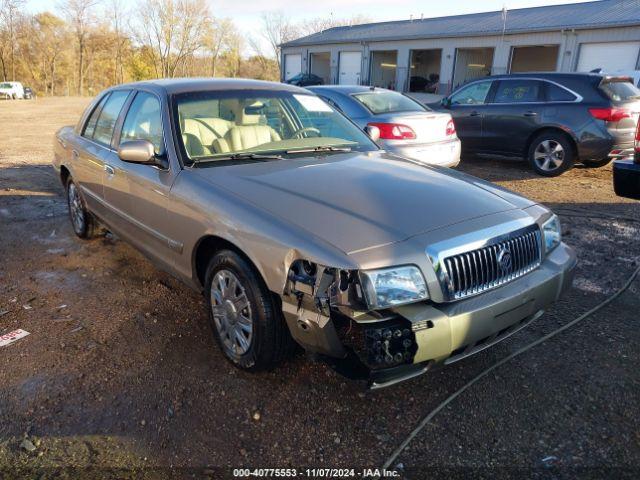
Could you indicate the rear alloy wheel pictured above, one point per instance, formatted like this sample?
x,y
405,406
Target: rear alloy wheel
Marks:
x,y
551,154
83,222
246,320
596,163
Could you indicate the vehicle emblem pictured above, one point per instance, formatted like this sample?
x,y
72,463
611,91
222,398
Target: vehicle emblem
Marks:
x,y
504,260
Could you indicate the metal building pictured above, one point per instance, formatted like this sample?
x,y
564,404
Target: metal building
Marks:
x,y
450,51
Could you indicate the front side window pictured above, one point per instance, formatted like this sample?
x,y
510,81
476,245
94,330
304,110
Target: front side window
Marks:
x,y
108,116
144,121
474,94
518,91
378,102
218,125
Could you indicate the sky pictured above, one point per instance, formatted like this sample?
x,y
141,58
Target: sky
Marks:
x,y
246,13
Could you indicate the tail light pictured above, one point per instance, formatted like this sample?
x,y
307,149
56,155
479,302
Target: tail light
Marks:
x,y
394,131
637,147
610,114
451,128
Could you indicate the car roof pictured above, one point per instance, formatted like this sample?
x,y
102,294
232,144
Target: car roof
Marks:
x,y
186,85
551,75
347,89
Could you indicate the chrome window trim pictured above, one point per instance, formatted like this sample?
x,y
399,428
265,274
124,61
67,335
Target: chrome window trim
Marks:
x,y
579,98
438,252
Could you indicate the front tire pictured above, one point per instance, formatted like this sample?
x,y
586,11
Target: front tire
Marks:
x,y
596,163
246,320
83,222
551,154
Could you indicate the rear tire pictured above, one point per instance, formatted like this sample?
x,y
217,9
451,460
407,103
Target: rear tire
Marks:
x,y
596,163
84,224
246,320
551,154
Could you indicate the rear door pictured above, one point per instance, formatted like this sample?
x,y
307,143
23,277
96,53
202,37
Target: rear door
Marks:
x,y
467,107
515,112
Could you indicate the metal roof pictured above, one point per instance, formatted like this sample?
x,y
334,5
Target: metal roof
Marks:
x,y
595,14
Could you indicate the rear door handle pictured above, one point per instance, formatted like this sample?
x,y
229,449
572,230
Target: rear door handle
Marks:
x,y
474,114
74,154
531,114
109,169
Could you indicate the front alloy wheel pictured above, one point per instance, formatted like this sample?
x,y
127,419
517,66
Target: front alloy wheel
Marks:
x,y
231,313
245,317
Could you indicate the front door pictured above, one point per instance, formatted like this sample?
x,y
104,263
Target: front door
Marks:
x,y
467,107
145,196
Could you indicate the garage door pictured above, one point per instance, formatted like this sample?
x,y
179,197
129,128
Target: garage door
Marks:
x,y
292,65
611,57
350,66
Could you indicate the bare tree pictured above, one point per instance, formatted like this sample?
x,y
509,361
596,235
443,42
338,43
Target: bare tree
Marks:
x,y
10,15
81,16
319,24
219,37
277,29
175,29
117,13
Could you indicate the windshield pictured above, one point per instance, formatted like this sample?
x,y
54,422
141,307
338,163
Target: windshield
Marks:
x,y
620,90
387,102
241,124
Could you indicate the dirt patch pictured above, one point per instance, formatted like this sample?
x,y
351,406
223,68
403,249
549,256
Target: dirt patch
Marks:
x,y
121,375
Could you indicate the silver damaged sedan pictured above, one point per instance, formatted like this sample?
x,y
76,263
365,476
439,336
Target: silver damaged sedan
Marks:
x,y
299,230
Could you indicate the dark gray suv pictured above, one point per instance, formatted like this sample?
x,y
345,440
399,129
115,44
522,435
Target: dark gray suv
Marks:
x,y
551,119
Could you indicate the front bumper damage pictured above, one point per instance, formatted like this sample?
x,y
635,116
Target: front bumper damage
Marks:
x,y
388,346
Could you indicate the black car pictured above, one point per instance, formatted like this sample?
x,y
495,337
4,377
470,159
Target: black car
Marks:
x,y
626,173
421,84
305,80
551,119
28,93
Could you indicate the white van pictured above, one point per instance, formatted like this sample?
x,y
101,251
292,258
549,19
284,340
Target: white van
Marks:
x,y
11,90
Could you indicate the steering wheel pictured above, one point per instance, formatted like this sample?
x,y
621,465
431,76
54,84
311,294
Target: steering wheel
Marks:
x,y
298,133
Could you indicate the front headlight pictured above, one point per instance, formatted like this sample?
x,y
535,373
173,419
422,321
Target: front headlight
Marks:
x,y
389,287
552,233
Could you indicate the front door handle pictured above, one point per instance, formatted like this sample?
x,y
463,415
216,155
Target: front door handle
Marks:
x,y
474,114
74,154
530,114
109,169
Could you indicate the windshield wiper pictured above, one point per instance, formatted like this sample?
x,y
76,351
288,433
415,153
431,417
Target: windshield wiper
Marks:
x,y
323,148
241,156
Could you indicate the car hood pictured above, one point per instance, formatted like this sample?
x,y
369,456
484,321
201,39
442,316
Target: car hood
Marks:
x,y
358,201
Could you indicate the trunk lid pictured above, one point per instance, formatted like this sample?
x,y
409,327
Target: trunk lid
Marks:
x,y
429,127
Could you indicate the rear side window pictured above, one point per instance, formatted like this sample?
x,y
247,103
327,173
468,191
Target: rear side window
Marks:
x,y
555,93
620,91
107,120
518,91
90,126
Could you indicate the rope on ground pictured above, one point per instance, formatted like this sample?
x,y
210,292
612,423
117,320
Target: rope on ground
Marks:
x,y
423,423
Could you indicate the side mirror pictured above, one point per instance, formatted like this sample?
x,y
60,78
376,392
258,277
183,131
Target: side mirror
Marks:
x,y
445,102
137,151
373,132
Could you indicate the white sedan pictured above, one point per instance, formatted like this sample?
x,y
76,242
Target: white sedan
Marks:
x,y
406,127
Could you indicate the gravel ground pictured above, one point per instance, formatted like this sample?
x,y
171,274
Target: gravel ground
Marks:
x,y
120,376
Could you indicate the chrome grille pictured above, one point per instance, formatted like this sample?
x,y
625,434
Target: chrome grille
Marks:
x,y
477,271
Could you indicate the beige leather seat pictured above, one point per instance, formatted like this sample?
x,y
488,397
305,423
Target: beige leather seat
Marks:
x,y
199,134
247,133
